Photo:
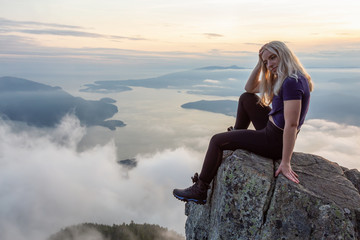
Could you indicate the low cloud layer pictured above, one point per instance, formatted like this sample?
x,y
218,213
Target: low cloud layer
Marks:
x,y
47,184
336,142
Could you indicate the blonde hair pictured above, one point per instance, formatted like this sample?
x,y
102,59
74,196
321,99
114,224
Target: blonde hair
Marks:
x,y
289,66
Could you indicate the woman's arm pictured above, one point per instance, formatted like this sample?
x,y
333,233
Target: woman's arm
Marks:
x,y
252,84
292,110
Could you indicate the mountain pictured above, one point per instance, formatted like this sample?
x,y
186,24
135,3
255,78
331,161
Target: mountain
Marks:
x,y
227,107
322,106
130,231
41,105
12,84
206,81
334,98
219,68
246,201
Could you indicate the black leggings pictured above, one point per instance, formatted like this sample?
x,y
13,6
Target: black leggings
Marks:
x,y
266,140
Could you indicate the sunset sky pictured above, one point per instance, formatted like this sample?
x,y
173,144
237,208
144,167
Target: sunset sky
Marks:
x,y
175,28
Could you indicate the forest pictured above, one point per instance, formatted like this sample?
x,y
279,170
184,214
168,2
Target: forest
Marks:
x,y
124,231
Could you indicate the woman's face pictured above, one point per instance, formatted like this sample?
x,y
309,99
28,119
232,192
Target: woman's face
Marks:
x,y
270,60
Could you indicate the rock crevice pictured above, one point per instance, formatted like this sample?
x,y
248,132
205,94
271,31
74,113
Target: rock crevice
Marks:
x,y
246,201
272,191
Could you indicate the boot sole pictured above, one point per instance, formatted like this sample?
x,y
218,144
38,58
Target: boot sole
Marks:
x,y
184,199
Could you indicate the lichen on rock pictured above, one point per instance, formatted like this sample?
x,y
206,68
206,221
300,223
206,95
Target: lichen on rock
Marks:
x,y
246,201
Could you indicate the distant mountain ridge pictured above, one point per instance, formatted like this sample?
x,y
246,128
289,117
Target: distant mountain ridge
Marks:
x,y
227,107
210,80
41,105
219,68
12,84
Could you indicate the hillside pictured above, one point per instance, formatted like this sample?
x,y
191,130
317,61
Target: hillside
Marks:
x,y
41,105
130,231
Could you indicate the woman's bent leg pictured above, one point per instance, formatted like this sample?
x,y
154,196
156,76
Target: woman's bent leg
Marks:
x,y
266,142
249,110
251,140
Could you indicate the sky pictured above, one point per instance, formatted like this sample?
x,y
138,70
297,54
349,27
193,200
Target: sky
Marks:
x,y
70,43
188,26
115,36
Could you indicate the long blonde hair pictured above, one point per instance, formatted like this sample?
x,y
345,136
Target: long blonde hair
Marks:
x,y
289,66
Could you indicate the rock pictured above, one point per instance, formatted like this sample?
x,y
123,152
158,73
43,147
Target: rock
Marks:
x,y
246,201
354,176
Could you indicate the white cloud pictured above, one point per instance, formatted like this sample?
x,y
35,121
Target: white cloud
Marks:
x,y
45,184
335,142
211,81
86,233
207,86
37,28
213,35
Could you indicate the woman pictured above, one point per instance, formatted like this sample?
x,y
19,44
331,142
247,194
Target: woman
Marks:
x,y
286,85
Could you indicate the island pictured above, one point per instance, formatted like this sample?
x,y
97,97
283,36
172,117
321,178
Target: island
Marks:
x,y
41,105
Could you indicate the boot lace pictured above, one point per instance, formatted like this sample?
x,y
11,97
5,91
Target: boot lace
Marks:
x,y
195,178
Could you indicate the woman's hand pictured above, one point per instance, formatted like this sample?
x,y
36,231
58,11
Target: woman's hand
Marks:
x,y
261,51
292,110
287,171
260,62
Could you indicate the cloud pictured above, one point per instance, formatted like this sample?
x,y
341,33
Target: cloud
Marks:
x,y
5,23
72,33
213,35
84,233
61,32
37,28
46,184
253,44
336,142
211,81
27,47
20,47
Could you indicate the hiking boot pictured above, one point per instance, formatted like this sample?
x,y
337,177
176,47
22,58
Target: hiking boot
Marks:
x,y
196,193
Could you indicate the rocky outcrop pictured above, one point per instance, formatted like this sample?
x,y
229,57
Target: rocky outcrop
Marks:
x,y
247,202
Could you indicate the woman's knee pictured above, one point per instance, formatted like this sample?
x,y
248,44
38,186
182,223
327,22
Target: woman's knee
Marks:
x,y
221,139
246,96
216,139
